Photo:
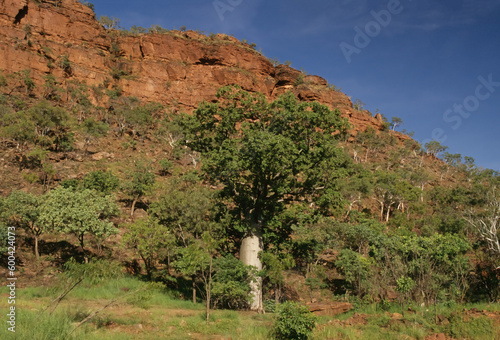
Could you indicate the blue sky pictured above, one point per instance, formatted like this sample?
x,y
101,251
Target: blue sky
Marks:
x,y
435,64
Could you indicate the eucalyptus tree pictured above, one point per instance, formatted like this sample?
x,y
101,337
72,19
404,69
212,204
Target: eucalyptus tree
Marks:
x,y
485,217
265,157
395,121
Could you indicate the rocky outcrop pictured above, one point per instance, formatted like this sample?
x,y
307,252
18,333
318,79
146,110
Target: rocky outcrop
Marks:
x,y
63,38
330,308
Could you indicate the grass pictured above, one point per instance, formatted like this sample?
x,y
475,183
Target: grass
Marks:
x,y
480,328
159,313
29,325
417,324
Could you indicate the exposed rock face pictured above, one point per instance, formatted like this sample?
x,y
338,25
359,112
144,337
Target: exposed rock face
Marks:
x,y
331,308
176,68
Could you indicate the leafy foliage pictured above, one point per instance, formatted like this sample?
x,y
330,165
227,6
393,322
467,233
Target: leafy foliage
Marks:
x,y
293,321
42,124
94,128
355,268
23,210
101,181
231,283
141,181
262,152
79,212
151,240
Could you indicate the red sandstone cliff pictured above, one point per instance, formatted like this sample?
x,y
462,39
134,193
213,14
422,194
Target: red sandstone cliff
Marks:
x,y
176,68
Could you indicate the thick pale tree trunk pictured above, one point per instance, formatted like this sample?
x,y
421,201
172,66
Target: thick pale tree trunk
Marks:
x,y
249,255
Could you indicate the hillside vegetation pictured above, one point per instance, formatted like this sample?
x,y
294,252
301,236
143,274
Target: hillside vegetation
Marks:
x,y
246,203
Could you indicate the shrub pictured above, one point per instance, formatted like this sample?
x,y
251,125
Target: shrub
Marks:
x,y
94,128
165,166
31,178
65,64
88,4
52,89
101,181
117,73
294,321
25,77
231,283
115,49
3,80
300,80
4,238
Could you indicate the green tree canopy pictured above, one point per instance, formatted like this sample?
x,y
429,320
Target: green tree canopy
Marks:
x,y
151,240
141,181
79,212
266,155
23,210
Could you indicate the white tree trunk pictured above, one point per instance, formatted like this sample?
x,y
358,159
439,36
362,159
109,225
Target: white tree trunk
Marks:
x,y
251,245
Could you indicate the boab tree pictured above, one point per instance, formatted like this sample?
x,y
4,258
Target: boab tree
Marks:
x,y
266,156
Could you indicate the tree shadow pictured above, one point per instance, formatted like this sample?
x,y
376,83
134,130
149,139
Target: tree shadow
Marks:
x,y
64,249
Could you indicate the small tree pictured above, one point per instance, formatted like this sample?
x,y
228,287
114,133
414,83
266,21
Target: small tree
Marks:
x,y
370,140
404,285
196,260
274,268
486,221
101,181
151,240
93,129
294,321
51,124
142,179
109,23
395,121
22,210
79,212
358,105
434,148
355,268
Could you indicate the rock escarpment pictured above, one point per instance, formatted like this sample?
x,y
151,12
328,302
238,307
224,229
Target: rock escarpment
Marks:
x,y
62,38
